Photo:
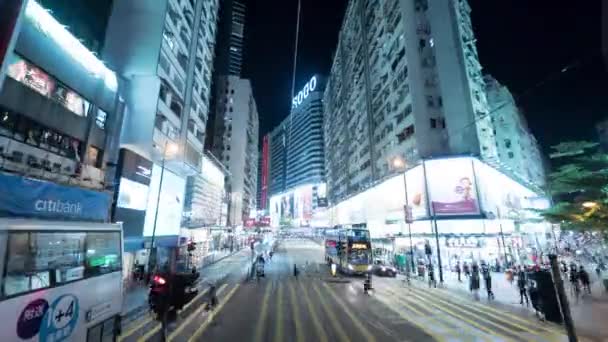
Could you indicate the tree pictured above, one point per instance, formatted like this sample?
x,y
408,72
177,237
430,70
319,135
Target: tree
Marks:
x,y
579,187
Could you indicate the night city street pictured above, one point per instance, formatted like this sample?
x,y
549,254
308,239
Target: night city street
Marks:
x,y
317,307
303,170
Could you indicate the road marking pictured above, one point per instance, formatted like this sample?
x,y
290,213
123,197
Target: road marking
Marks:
x,y
460,316
193,315
315,319
213,313
503,319
408,319
506,316
135,328
358,323
278,337
150,333
295,313
330,315
195,299
488,309
259,331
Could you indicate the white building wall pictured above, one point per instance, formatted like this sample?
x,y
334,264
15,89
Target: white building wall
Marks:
x,y
236,141
517,148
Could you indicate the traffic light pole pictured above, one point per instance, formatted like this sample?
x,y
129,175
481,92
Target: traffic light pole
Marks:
x,y
407,221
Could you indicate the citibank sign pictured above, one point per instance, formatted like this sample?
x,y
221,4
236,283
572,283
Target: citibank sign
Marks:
x,y
303,94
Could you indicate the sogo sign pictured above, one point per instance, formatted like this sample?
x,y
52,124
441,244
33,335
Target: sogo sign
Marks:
x,y
303,94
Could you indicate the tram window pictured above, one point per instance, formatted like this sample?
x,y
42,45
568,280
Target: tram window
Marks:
x,y
37,260
103,253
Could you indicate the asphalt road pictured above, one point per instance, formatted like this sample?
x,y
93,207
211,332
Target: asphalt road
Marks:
x,y
317,307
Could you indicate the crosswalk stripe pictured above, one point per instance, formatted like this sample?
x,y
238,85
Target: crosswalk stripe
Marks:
x,y
332,319
496,315
421,294
411,306
136,327
295,313
399,312
278,337
202,293
488,310
369,337
259,331
215,311
315,319
193,315
430,301
150,333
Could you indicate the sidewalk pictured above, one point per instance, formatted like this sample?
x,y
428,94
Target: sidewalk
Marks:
x,y
135,299
588,313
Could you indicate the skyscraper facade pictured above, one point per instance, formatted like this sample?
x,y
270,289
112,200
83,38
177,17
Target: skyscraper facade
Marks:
x,y
518,150
236,145
231,32
405,83
296,145
164,52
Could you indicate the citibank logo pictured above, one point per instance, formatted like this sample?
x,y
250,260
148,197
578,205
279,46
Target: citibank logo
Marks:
x,y
58,207
303,94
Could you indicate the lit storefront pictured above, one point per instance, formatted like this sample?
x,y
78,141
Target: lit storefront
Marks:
x,y
479,213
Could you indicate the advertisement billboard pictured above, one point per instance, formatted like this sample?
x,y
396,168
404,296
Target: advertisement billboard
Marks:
x,y
171,203
453,192
416,193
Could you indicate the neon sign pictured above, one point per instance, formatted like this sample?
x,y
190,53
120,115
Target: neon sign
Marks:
x,y
303,94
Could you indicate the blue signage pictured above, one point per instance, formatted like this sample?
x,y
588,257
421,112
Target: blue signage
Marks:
x,y
24,197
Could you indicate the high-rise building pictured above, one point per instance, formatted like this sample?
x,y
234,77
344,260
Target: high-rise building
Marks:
x,y
296,145
518,151
60,117
231,31
236,144
405,83
263,173
163,51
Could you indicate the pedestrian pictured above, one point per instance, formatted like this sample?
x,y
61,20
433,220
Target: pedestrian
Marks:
x,y
458,270
487,277
584,277
598,271
474,279
536,300
521,284
465,268
432,280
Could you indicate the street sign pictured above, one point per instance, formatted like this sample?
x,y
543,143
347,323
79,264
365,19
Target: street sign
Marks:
x,y
409,217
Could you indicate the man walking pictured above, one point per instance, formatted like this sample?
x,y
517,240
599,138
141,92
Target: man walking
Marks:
x,y
458,271
487,277
521,284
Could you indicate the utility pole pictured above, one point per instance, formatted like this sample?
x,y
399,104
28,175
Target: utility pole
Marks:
x,y
563,299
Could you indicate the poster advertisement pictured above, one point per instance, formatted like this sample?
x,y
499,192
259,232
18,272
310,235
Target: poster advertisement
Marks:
x,y
416,192
451,187
171,202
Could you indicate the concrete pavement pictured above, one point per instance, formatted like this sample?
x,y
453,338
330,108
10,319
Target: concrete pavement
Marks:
x,y
317,307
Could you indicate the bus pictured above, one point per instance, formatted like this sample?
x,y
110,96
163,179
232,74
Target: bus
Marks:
x,y
349,247
60,281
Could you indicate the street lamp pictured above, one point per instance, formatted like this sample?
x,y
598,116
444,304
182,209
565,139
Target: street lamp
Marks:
x,y
399,163
589,204
169,149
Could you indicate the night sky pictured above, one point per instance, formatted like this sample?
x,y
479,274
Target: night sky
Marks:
x,y
524,44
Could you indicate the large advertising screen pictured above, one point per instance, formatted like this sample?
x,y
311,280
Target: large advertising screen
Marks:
x,y
132,195
296,207
171,203
451,187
